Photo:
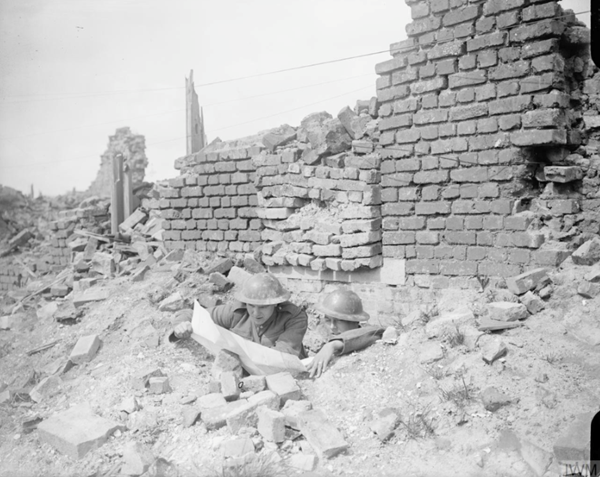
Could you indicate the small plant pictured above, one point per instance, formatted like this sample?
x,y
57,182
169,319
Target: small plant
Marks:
x,y
430,312
483,281
552,358
454,337
436,372
460,394
418,424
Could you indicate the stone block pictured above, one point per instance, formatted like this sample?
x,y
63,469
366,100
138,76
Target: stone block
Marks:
x,y
254,383
137,458
89,296
230,385
211,400
190,415
588,253
237,447
292,409
574,442
141,378
593,275
302,462
103,263
265,398
159,385
532,302
46,388
271,424
493,399
129,405
385,423
216,417
588,289
222,266
226,361
493,350
238,276
507,311
324,437
526,281
284,385
85,349
173,302
77,431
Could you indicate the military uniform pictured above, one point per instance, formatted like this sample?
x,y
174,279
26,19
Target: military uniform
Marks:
x,y
360,338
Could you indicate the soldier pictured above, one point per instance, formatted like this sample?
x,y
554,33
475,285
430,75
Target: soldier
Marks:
x,y
344,314
260,313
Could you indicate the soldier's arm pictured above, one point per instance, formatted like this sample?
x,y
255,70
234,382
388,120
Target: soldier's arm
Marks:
x,y
357,339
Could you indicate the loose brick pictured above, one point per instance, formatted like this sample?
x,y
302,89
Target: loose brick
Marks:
x,y
85,349
324,438
284,386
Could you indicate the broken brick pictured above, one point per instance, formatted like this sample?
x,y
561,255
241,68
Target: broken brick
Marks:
x,y
284,385
271,424
507,311
230,386
211,400
526,281
159,385
325,439
46,388
254,383
226,361
292,409
137,458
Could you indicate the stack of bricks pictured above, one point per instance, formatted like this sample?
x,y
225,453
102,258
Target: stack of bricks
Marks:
x,y
472,85
11,274
211,206
93,217
322,216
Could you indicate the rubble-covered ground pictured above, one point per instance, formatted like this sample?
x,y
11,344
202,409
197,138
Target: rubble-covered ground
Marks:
x,y
446,399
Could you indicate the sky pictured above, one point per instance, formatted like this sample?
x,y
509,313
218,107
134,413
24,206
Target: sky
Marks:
x,y
73,71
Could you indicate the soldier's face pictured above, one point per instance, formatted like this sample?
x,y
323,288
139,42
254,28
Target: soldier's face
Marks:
x,y
260,314
339,326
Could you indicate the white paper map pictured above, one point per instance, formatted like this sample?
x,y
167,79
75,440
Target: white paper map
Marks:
x,y
256,358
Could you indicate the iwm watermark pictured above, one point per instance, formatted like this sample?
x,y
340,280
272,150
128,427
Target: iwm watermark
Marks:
x,y
580,468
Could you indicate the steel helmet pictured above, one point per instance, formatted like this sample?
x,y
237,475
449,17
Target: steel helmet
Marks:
x,y
262,289
343,304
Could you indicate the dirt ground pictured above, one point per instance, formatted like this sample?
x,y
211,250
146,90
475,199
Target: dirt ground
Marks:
x,y
551,373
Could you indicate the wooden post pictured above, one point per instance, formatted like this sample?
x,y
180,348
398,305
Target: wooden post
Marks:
x,y
128,205
116,203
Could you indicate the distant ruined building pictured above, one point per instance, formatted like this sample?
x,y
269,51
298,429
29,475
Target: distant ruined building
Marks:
x,y
133,147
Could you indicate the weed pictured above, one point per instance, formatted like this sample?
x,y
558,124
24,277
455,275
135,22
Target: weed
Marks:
x,y
253,465
460,394
552,358
418,424
483,281
436,372
454,337
430,312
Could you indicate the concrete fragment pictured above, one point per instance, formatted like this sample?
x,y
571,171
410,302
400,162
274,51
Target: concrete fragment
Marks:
x,y
574,442
137,458
253,266
385,423
588,289
532,302
507,311
129,405
140,273
265,398
593,275
103,263
58,366
431,352
90,295
588,253
141,378
211,400
77,431
85,349
284,385
242,417
390,335
325,439
271,424
493,399
303,462
526,281
486,324
59,290
216,417
254,383
173,302
493,350
46,388
237,447
220,281
292,409
47,311
174,256
278,137
230,386
190,415
238,276
159,385
137,217
226,361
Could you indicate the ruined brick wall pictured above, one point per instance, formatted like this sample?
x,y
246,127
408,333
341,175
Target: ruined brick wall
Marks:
x,y
472,103
133,148
211,206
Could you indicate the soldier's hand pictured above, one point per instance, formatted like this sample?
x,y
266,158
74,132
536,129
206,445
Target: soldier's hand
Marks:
x,y
321,360
183,330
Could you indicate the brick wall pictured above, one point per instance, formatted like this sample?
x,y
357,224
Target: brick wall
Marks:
x,y
475,99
